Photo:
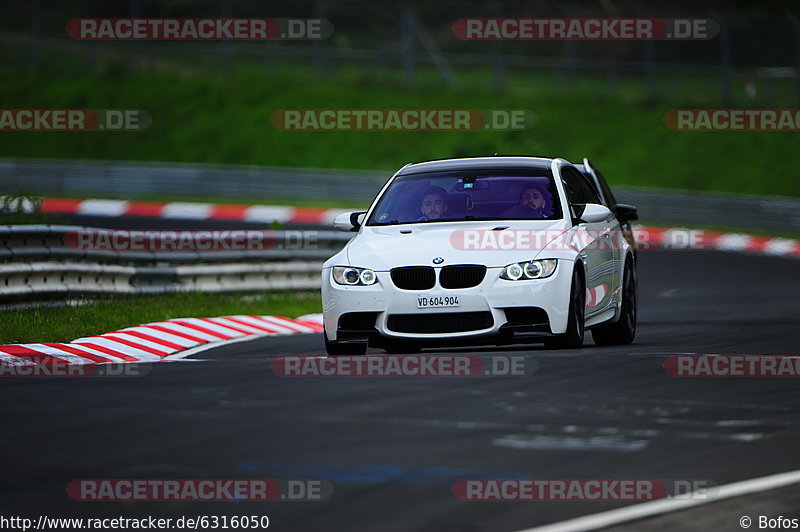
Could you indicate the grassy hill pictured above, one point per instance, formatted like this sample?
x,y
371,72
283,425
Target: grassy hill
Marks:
x,y
214,118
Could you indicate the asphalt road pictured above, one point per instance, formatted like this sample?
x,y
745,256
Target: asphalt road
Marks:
x,y
393,447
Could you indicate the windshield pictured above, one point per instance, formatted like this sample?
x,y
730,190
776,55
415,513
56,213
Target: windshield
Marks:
x,y
527,194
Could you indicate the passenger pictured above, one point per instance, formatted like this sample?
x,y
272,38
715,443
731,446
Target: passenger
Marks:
x,y
534,202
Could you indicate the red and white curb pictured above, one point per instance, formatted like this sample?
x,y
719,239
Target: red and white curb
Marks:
x,y
191,211
678,238
156,341
595,295
647,237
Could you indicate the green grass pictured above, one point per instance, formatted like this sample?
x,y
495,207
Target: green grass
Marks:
x,y
64,324
211,118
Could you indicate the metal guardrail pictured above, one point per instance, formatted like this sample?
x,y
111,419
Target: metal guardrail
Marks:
x,y
217,182
61,280
688,208
37,262
51,242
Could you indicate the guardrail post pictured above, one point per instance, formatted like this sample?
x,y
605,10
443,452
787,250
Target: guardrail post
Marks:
x,y
319,47
570,51
225,45
795,22
36,31
133,44
726,73
409,51
498,59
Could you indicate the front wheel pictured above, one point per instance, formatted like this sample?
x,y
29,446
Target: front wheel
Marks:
x,y
624,330
573,338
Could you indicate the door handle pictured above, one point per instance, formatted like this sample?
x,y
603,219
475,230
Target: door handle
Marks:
x,y
607,232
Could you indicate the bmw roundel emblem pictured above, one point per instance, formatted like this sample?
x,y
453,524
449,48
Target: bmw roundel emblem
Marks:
x,y
438,260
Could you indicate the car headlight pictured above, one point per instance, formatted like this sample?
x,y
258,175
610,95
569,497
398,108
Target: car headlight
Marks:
x,y
348,275
534,269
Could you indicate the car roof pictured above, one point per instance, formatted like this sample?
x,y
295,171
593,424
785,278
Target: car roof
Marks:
x,y
476,163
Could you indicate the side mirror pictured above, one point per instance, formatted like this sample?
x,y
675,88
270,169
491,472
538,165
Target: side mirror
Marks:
x,y
349,221
594,213
626,213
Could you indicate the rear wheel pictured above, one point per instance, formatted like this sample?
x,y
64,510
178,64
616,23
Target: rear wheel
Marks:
x,y
337,349
573,338
624,330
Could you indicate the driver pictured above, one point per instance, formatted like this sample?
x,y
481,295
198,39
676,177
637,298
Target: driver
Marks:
x,y
434,204
534,202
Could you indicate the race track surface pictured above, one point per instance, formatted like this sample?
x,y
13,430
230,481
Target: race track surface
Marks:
x,y
393,447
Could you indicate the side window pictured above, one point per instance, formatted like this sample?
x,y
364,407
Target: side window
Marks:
x,y
579,190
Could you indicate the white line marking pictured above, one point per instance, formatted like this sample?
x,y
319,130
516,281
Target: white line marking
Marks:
x,y
661,506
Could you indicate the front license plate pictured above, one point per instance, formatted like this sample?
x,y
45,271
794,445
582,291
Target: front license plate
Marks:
x,y
437,301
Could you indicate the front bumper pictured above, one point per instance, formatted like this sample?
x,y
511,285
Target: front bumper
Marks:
x,y
497,307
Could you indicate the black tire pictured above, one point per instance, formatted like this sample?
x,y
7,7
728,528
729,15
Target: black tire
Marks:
x,y
336,349
624,330
573,338
401,347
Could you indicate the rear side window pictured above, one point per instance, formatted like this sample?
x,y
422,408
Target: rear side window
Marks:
x,y
579,190
610,199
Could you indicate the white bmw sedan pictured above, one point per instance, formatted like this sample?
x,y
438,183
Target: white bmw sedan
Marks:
x,y
481,250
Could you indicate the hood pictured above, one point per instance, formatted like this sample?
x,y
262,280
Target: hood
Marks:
x,y
384,247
